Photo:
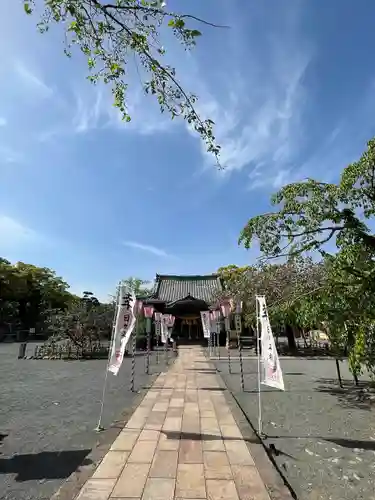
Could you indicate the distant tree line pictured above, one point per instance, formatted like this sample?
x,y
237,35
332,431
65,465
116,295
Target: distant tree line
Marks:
x,y
36,303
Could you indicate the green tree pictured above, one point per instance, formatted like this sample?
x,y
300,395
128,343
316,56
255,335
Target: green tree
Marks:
x,y
282,284
115,34
138,286
84,323
28,293
313,213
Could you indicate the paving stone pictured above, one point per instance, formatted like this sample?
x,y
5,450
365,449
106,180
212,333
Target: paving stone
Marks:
x,y
178,393
216,465
190,452
213,445
166,443
136,423
111,465
175,412
143,452
249,483
159,489
190,481
132,481
164,464
210,424
191,408
191,396
191,424
125,441
97,489
160,406
172,424
155,420
153,463
176,403
149,435
238,453
207,413
221,489
230,432
226,419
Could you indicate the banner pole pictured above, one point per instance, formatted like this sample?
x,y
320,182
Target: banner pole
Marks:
x,y
227,328
218,338
157,328
134,348
167,347
99,427
260,430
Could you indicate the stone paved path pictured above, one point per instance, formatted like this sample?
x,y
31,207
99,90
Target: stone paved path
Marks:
x,y
181,443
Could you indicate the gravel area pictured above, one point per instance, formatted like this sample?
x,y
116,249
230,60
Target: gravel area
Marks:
x,y
322,437
48,412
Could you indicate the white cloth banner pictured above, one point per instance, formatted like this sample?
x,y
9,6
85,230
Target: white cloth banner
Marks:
x,y
123,328
272,373
205,317
164,328
157,329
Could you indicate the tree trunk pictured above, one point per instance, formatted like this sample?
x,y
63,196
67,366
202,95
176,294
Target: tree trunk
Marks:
x,y
304,338
338,372
291,339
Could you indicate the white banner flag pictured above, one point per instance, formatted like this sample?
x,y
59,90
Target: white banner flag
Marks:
x,y
272,374
205,317
164,328
157,325
124,326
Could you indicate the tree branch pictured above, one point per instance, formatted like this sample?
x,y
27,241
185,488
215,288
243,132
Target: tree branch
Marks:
x,y
168,74
154,10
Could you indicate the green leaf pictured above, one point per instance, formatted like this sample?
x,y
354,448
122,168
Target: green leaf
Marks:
x,y
180,23
27,8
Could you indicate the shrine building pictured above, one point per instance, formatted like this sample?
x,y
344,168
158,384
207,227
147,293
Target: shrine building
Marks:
x,y
185,297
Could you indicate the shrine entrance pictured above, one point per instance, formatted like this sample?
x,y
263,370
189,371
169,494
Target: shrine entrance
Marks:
x,y
188,324
188,330
185,297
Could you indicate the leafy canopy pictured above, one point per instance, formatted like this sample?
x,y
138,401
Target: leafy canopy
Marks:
x,y
114,34
313,213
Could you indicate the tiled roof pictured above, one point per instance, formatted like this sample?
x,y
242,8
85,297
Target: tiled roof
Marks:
x,y
171,288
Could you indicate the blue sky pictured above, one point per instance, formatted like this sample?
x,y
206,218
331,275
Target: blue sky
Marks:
x,y
291,87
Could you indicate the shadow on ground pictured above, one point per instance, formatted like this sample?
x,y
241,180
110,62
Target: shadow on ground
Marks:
x,y
345,443
350,395
198,436
44,465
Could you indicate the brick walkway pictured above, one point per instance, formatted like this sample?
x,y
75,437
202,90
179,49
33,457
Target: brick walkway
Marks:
x,y
181,443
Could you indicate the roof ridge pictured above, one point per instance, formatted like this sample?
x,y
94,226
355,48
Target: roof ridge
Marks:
x,y
188,276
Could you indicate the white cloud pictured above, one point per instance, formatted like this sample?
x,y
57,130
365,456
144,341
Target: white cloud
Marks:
x,y
32,80
14,233
146,118
260,130
3,121
90,107
10,155
255,93
159,252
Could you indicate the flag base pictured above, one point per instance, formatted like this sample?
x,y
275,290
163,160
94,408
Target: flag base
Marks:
x,y
99,428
